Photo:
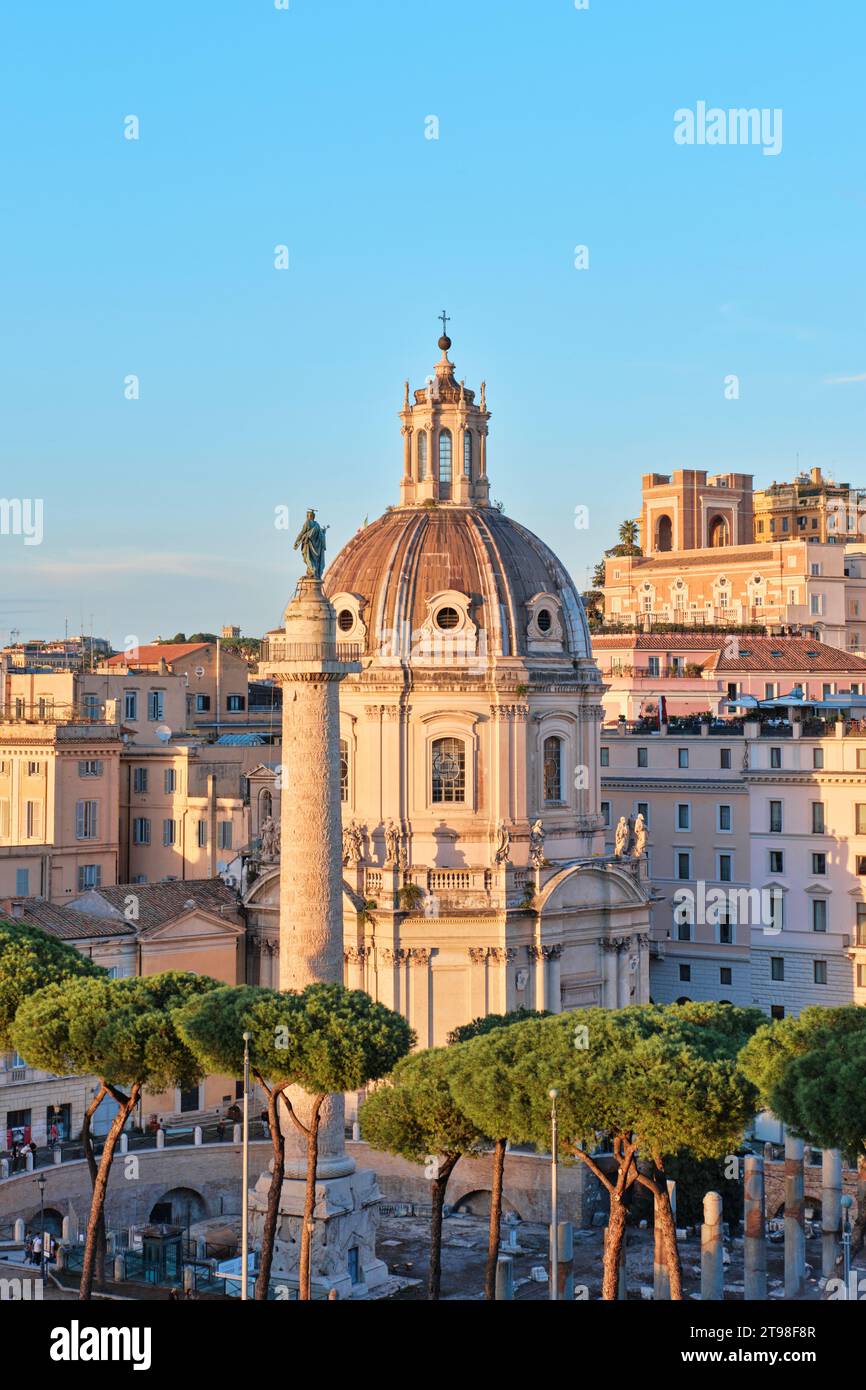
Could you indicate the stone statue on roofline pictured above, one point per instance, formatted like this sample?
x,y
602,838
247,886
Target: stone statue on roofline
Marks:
x,y
622,839
502,852
641,835
270,839
311,539
536,844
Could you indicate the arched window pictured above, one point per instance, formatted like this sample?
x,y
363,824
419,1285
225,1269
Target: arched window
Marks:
x,y
422,456
664,533
445,463
467,453
266,806
448,770
553,769
718,532
344,770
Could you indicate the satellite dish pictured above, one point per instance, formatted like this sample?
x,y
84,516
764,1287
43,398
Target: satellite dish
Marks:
x,y
163,732
199,670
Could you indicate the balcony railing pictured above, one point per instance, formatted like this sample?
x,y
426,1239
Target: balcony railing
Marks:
x,y
278,649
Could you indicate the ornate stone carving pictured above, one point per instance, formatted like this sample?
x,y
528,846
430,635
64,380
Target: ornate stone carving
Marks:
x,y
396,956
614,943
509,713
501,955
477,954
356,955
544,952
420,955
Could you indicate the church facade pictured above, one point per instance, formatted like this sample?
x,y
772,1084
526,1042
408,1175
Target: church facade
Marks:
x,y
475,875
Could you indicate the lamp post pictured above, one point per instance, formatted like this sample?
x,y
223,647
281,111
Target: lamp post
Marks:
x,y
846,1204
245,1190
40,1182
554,1199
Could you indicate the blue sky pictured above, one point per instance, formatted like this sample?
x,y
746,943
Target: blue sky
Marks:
x,y
306,127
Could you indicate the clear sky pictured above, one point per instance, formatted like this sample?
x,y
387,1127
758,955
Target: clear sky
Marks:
x,y
262,388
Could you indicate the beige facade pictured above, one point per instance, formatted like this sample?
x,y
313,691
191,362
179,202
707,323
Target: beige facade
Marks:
x,y
184,811
216,681
58,807
772,811
702,566
811,508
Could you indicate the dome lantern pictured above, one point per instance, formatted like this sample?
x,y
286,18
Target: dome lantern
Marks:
x,y
444,439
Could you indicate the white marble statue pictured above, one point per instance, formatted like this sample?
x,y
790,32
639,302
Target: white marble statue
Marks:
x,y
502,853
536,844
622,839
352,845
270,839
641,835
392,843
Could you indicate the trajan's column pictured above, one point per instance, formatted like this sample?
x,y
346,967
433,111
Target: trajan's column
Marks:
x,y
309,666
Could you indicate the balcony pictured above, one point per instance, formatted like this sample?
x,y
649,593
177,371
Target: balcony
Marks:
x,y
276,650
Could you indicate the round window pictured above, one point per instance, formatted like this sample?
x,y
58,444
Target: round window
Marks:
x,y
447,618
345,620
544,620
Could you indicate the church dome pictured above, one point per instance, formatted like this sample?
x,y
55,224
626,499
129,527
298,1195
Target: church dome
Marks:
x,y
410,569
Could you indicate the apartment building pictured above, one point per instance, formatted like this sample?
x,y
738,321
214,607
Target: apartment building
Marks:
x,y
215,680
701,565
184,809
810,507
59,787
694,672
757,852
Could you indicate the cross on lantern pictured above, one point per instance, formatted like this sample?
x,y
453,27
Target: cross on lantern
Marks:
x,y
444,317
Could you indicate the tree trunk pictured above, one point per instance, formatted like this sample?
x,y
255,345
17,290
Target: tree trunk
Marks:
x,y
495,1220
613,1248
657,1185
126,1105
90,1156
440,1183
269,1228
304,1279
858,1232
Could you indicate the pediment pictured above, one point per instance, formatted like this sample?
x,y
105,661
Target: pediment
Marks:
x,y
192,924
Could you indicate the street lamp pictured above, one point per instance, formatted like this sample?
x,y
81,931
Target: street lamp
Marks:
x,y
554,1199
40,1182
245,1193
846,1204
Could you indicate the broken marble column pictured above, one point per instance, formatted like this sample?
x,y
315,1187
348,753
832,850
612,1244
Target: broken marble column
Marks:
x,y
565,1266
661,1274
831,1210
795,1230
712,1260
754,1230
504,1277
